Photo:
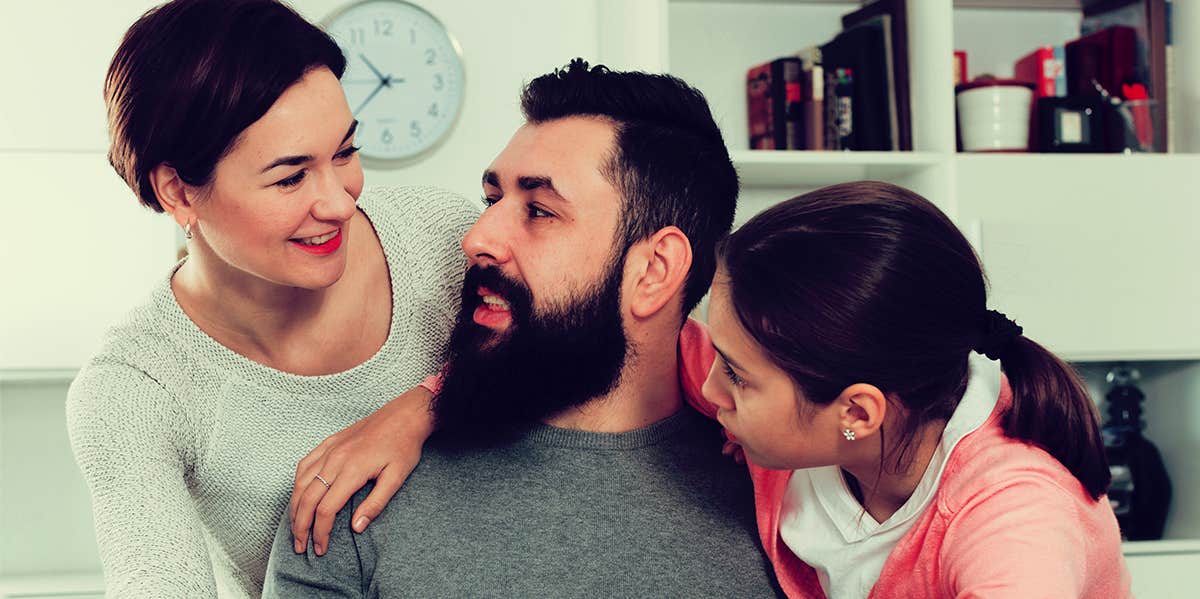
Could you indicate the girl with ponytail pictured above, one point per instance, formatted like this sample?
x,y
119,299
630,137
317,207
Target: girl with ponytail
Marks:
x,y
904,440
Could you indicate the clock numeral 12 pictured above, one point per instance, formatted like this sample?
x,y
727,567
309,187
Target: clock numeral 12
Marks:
x,y
383,27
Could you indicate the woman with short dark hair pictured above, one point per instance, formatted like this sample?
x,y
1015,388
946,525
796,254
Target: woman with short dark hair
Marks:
x,y
304,304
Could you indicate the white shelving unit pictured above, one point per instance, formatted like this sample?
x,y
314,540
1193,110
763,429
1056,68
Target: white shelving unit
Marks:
x,y
1094,254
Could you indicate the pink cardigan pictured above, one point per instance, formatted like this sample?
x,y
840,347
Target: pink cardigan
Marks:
x,y
1008,520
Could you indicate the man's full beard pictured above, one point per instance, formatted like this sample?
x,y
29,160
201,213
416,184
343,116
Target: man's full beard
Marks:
x,y
497,386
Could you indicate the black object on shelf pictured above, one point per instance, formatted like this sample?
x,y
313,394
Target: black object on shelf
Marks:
x,y
1140,492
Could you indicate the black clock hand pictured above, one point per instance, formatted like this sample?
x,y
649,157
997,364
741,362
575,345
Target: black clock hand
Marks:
x,y
373,69
381,85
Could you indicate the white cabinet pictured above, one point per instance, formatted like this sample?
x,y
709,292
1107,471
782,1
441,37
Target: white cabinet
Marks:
x,y
1093,255
78,251
66,586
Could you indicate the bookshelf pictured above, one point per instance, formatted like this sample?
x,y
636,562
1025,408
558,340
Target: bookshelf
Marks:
x,y
1094,253
766,168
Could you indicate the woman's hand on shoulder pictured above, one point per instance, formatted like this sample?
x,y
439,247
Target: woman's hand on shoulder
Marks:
x,y
384,447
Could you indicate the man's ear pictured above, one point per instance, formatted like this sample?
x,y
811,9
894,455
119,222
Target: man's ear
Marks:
x,y
656,270
861,409
175,196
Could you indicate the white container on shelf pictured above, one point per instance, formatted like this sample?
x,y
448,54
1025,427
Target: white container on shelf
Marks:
x,y
993,115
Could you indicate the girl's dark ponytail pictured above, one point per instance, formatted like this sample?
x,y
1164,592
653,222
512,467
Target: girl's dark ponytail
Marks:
x,y
1051,408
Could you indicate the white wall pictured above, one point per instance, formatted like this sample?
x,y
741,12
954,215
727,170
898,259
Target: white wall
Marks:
x,y
78,250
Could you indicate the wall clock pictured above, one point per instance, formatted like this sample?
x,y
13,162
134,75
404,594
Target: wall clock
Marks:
x,y
404,78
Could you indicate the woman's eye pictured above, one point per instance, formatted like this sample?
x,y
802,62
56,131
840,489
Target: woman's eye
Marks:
x,y
488,202
733,377
346,154
536,212
292,181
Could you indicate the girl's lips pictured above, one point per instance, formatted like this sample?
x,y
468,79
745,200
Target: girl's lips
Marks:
x,y
323,249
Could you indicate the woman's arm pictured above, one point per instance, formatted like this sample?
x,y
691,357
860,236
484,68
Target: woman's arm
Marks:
x,y
384,447
122,425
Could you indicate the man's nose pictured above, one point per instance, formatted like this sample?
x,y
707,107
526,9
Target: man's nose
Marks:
x,y
488,241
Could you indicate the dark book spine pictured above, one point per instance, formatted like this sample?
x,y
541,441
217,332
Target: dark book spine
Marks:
x,y
758,107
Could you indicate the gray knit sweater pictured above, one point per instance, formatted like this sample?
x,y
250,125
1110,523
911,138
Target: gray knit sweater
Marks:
x,y
190,448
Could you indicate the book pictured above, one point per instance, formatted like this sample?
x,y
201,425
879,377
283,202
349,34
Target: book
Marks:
x,y
863,53
812,105
773,103
897,13
1105,57
839,109
1045,67
1150,20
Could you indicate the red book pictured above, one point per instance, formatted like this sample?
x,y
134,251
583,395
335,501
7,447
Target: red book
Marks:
x,y
773,105
1043,68
1107,56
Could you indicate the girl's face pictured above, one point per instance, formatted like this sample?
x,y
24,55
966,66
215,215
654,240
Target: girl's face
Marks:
x,y
758,403
279,203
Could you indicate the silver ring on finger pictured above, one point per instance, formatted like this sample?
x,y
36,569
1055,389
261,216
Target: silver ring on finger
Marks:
x,y
323,481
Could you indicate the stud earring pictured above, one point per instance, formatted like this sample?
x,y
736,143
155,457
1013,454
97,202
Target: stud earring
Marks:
x,y
187,230
848,434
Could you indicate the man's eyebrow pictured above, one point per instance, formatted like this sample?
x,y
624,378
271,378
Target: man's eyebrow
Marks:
x,y
726,358
532,183
302,158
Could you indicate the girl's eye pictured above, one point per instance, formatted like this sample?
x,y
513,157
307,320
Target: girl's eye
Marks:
x,y
347,153
292,181
732,376
488,202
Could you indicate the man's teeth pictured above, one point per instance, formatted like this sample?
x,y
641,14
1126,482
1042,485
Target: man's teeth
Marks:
x,y
318,240
495,302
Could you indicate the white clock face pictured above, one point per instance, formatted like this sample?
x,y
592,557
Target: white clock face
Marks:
x,y
403,79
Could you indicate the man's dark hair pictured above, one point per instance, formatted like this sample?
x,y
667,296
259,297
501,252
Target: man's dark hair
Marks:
x,y
191,75
670,164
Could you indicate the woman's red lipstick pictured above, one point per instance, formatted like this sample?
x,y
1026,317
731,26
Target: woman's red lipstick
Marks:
x,y
323,249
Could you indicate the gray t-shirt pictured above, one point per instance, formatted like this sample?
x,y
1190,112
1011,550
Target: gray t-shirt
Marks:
x,y
655,512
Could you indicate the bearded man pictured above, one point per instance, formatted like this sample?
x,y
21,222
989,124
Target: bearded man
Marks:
x,y
565,462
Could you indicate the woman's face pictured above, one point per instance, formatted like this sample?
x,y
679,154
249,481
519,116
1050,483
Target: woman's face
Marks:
x,y
758,403
279,202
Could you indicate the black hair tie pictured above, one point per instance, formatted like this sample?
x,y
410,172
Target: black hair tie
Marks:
x,y
998,331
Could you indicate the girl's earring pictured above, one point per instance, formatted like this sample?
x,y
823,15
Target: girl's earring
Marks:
x,y
848,434
187,230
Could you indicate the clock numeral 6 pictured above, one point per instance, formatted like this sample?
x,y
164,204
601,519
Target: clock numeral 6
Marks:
x,y
414,129
387,136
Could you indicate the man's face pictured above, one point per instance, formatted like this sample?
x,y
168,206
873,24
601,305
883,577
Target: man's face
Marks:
x,y
540,328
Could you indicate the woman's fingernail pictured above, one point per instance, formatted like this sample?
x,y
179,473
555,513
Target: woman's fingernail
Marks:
x,y
320,551
360,524
297,546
